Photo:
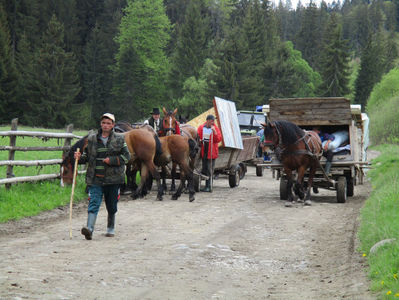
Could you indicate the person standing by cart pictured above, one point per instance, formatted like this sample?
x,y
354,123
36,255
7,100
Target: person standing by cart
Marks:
x,y
210,136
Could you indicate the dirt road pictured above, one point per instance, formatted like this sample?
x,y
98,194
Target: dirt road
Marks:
x,y
239,243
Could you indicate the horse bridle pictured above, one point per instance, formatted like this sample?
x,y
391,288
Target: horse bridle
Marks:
x,y
169,129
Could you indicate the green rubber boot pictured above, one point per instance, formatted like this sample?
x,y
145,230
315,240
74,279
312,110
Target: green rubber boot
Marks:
x,y
88,230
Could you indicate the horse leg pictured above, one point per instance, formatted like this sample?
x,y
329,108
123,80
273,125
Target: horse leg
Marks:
x,y
163,176
185,174
179,190
290,182
140,192
312,172
157,177
298,188
173,186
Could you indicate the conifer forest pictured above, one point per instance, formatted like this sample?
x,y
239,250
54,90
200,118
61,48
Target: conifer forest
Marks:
x,y
69,61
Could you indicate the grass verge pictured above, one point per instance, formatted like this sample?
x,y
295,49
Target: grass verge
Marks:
x,y
380,221
29,199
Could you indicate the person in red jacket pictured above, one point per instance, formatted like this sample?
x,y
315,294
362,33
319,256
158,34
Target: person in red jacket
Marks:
x,y
210,136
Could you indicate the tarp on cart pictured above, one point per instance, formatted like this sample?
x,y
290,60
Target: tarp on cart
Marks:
x,y
227,121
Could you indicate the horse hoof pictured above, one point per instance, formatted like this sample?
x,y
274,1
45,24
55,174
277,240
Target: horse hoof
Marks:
x,y
308,202
288,204
191,198
174,197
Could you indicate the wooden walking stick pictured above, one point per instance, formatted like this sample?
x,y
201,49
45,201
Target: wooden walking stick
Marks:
x,y
75,171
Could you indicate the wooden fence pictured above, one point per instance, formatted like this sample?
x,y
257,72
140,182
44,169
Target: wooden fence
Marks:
x,y
10,163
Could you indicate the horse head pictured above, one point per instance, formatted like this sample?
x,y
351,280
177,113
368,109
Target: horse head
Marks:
x,y
169,121
68,161
270,132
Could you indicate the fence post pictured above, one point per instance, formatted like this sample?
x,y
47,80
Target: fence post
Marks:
x,y
11,153
69,129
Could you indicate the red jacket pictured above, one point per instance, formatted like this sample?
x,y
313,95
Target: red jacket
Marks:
x,y
217,137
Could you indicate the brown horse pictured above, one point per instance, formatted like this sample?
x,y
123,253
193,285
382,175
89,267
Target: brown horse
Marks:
x,y
176,149
143,147
187,131
297,150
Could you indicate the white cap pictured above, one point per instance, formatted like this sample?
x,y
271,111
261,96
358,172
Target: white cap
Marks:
x,y
109,116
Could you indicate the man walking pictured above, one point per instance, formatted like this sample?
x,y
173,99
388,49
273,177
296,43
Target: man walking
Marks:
x,y
106,155
210,136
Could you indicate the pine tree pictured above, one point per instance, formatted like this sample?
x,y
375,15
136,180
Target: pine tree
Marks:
x,y
335,62
371,70
9,107
189,55
234,77
97,77
290,75
142,40
54,83
308,40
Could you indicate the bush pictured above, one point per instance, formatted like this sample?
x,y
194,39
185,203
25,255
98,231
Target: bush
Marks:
x,y
382,108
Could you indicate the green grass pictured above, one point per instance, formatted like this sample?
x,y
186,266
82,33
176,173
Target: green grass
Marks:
x,y
380,220
28,199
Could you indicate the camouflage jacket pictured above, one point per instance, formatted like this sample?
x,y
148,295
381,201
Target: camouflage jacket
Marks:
x,y
118,153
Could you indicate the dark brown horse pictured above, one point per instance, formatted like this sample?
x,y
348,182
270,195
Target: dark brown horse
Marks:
x,y
68,161
176,149
298,150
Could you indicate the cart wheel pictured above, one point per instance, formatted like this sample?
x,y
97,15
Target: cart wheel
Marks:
x,y
341,190
243,170
350,186
259,171
283,189
197,182
234,176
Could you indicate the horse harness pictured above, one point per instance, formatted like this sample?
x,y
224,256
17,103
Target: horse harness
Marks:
x,y
279,149
167,129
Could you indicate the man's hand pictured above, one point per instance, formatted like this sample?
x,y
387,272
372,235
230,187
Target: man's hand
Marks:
x,y
106,161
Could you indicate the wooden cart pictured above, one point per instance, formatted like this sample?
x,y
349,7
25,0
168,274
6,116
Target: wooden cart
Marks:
x,y
331,114
235,151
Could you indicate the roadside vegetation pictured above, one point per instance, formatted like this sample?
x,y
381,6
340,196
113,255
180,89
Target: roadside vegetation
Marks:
x,y
29,199
379,216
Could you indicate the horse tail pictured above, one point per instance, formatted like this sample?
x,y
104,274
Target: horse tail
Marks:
x,y
193,148
158,147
